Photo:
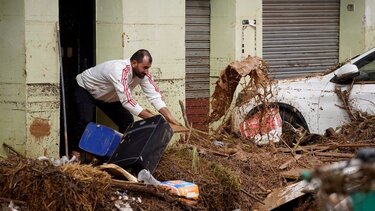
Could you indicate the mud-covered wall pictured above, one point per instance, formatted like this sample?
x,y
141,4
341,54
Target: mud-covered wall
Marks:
x,y
12,74
158,26
42,79
357,27
29,82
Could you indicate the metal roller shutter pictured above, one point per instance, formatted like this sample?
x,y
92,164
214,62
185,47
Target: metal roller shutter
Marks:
x,y
197,48
300,36
197,40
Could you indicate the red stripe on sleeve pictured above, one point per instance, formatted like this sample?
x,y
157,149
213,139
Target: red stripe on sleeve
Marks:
x,y
152,82
125,84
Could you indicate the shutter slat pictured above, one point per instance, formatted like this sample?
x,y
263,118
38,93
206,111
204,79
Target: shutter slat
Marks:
x,y
300,36
197,42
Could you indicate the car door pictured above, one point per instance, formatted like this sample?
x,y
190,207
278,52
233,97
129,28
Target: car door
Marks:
x,y
329,112
362,96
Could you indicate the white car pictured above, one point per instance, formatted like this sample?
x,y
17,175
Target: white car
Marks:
x,y
311,101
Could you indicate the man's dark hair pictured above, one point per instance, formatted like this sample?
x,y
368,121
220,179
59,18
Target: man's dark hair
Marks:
x,y
140,54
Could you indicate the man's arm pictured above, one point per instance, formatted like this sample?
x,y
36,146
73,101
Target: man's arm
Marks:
x,y
145,114
168,116
164,111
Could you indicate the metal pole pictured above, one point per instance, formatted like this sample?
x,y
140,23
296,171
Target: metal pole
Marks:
x,y
62,90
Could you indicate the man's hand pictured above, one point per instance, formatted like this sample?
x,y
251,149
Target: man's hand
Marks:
x,y
168,116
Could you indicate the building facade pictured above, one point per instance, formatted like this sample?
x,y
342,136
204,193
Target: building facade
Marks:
x,y
191,42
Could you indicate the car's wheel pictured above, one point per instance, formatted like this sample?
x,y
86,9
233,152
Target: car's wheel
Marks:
x,y
292,119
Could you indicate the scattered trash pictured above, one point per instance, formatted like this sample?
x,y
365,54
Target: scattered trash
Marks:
x,y
218,143
145,176
183,189
58,162
123,206
13,207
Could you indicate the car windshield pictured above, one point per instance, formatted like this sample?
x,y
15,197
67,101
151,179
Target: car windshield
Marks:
x,y
367,65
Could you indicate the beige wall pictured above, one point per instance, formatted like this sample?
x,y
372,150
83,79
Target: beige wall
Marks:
x,y
357,28
108,39
228,34
12,74
42,79
158,26
369,24
29,77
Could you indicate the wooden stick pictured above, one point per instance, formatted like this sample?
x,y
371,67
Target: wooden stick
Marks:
x,y
201,132
184,113
350,145
291,150
13,150
189,134
334,154
159,192
13,200
202,150
253,196
262,187
287,163
330,159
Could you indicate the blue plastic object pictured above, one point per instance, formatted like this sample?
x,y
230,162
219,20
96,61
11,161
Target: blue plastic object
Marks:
x,y
100,140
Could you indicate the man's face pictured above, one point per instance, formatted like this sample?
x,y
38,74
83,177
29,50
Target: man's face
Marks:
x,y
140,69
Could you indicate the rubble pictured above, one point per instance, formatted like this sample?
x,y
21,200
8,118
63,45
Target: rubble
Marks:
x,y
42,186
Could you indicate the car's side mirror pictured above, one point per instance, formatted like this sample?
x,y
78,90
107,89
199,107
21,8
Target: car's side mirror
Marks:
x,y
345,74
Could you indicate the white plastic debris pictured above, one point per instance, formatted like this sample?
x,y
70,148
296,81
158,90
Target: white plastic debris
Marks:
x,y
218,143
145,176
13,207
120,205
58,162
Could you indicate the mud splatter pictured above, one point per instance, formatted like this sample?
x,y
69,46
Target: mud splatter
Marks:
x,y
40,128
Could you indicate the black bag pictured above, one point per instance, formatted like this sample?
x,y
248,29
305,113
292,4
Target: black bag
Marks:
x,y
143,145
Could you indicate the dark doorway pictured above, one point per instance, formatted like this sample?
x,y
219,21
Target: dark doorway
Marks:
x,y
77,32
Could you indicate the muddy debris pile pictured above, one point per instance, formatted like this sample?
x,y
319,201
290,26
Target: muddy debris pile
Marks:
x,y
39,185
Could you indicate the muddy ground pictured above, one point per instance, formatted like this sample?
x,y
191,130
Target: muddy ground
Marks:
x,y
237,175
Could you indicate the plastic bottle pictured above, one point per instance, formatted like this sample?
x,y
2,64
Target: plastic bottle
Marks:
x,y
145,176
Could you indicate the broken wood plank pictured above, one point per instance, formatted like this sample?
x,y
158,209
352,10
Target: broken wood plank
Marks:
x,y
116,170
334,154
287,163
283,195
294,174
